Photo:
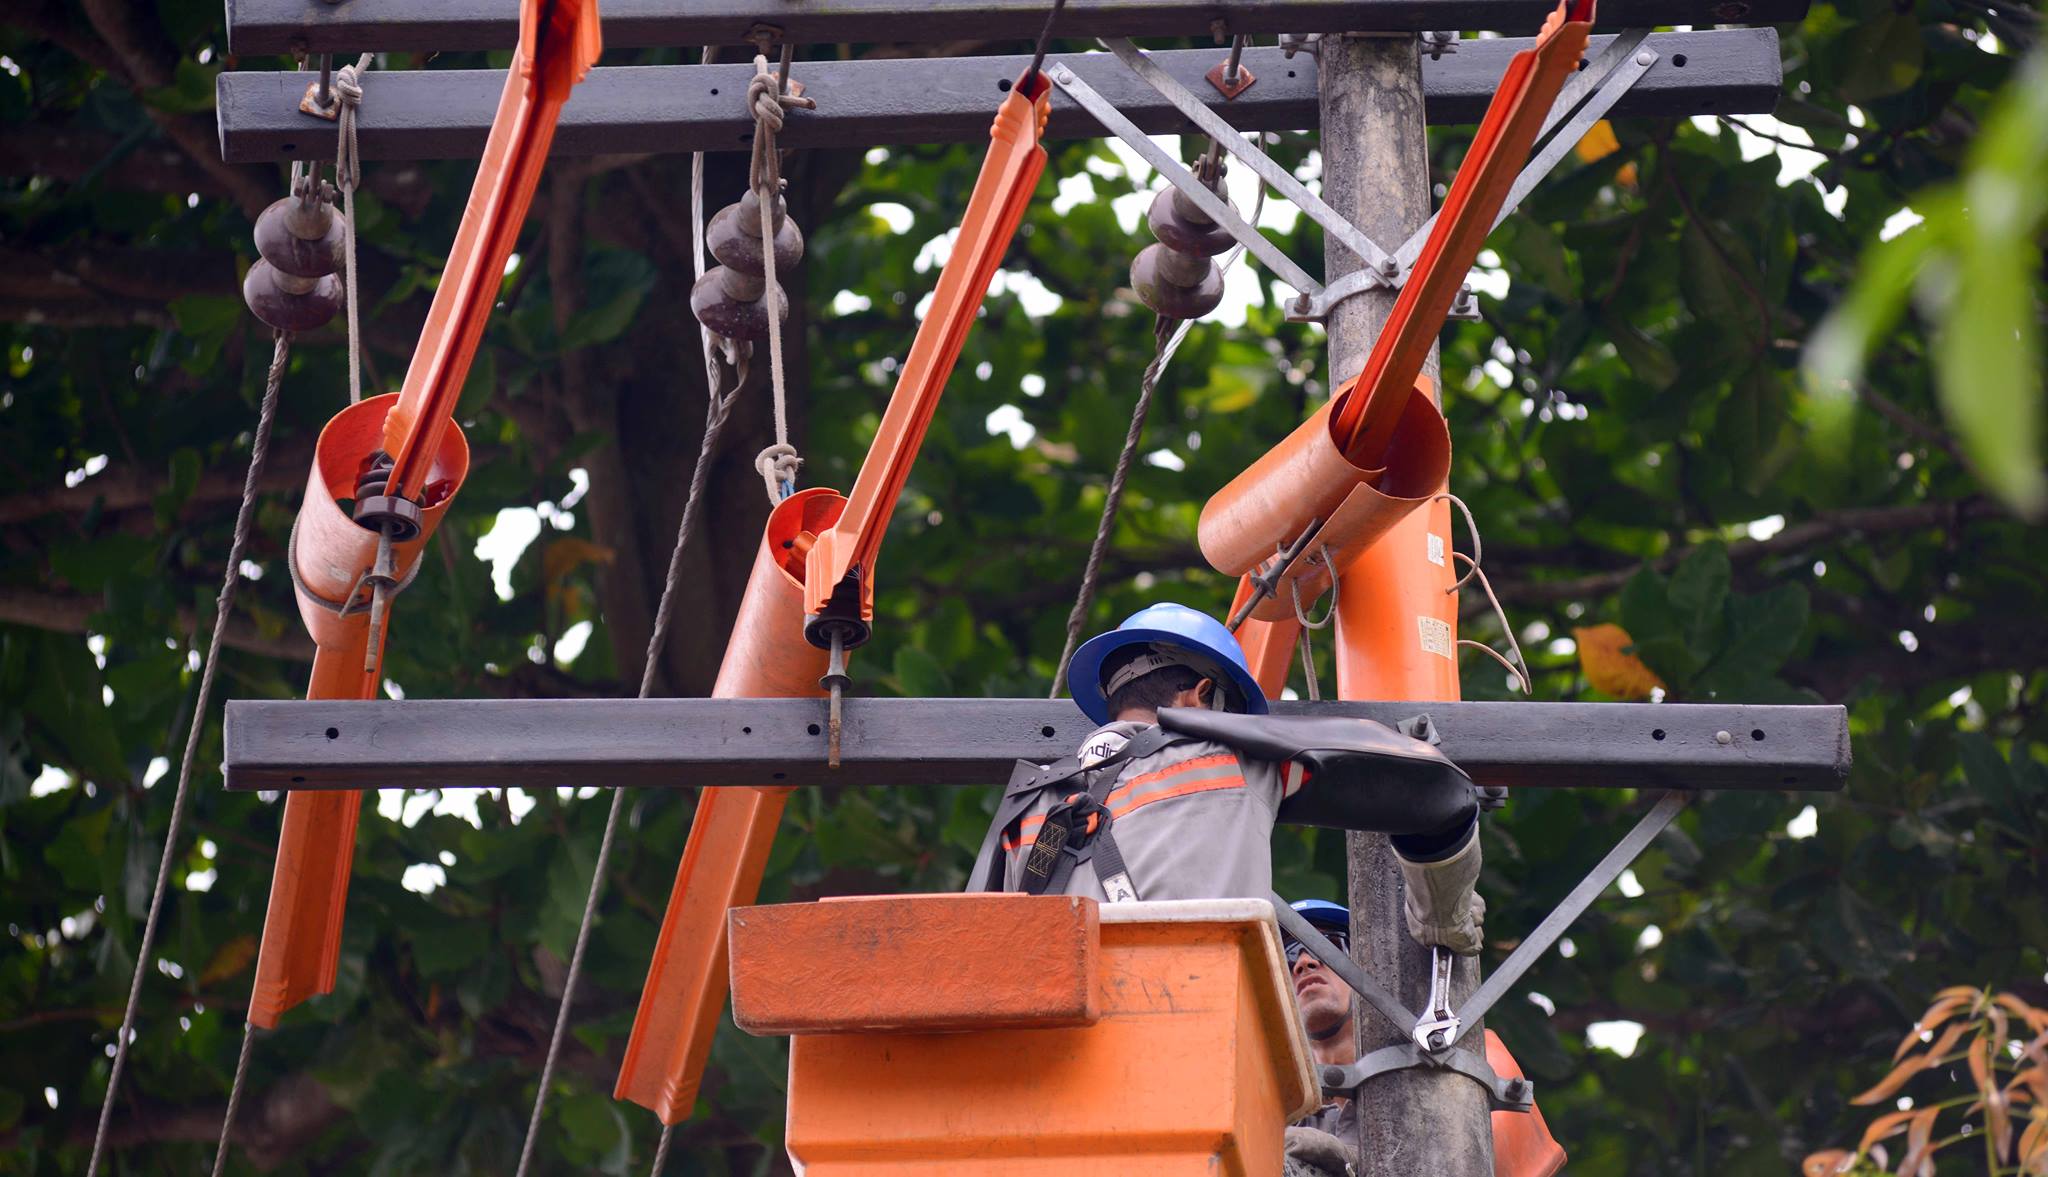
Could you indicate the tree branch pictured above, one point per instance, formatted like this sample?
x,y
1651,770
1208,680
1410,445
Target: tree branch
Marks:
x,y
131,487
66,613
1823,527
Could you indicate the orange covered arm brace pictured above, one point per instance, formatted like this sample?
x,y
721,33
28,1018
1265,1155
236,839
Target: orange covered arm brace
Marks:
x,y
1499,149
1001,194
558,42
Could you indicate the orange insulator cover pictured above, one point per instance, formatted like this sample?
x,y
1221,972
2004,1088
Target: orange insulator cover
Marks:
x,y
1008,174
1500,147
1307,478
1522,1143
309,885
734,827
559,40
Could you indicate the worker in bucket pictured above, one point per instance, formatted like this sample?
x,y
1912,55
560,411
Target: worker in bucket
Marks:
x,y
1175,792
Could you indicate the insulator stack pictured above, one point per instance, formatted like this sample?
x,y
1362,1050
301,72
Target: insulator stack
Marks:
x,y
1177,275
295,285
730,299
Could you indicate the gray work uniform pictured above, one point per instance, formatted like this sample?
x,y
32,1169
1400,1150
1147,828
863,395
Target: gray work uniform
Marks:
x,y
1193,820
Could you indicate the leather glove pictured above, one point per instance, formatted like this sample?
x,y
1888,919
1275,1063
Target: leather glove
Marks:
x,y
1443,904
1312,1152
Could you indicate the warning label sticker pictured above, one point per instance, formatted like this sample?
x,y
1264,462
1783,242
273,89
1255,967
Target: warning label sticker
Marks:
x,y
1436,635
1436,549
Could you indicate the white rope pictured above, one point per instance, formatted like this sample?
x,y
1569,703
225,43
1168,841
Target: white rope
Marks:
x,y
348,172
777,464
1520,666
231,578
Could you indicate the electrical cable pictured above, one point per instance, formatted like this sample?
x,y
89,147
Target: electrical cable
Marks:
x,y
231,578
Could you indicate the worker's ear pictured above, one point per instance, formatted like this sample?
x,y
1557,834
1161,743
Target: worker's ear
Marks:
x,y
1206,695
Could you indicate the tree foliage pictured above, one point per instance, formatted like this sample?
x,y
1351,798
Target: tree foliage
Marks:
x,y
1633,434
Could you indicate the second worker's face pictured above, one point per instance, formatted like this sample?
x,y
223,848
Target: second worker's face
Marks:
x,y
1325,1001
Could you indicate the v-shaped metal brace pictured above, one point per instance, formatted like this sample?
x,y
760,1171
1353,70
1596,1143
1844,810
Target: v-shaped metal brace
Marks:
x,y
1513,1094
1585,99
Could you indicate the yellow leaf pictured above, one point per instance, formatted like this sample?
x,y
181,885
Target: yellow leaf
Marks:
x,y
230,959
1598,144
1605,660
565,556
1625,175
1827,1164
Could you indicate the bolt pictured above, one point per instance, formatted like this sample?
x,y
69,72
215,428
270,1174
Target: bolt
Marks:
x,y
1723,738
1646,57
1390,267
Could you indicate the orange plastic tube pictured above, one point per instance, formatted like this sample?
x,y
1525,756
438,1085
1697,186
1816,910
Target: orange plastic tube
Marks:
x,y
1365,424
309,884
1001,194
1522,1143
559,41
766,657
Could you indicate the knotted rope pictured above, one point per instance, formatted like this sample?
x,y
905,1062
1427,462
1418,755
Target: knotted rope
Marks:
x,y
769,99
348,172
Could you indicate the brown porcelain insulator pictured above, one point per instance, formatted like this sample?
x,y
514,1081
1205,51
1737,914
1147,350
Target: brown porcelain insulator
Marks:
x,y
288,303
729,317
1153,275
301,238
734,236
1182,227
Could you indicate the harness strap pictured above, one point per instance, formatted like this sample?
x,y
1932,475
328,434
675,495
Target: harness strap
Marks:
x,y
1027,780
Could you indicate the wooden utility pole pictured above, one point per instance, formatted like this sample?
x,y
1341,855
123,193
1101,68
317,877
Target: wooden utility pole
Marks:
x,y
1376,174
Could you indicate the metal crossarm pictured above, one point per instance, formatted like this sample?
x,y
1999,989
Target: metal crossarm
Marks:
x,y
685,743
288,26
446,114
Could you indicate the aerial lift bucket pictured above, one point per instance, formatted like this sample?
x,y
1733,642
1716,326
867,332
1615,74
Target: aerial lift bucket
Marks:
x,y
1061,1037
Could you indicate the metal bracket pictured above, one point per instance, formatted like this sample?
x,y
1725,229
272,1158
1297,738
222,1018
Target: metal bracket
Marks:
x,y
1502,1095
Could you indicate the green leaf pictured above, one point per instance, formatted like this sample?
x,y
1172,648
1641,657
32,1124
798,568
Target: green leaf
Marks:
x,y
1763,630
1885,55
1699,587
919,675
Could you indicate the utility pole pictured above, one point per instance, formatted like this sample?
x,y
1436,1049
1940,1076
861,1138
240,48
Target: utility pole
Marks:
x,y
1376,174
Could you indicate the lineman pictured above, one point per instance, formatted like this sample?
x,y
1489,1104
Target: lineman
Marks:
x,y
1151,808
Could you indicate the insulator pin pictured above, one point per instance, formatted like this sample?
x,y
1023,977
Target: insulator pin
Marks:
x,y
731,299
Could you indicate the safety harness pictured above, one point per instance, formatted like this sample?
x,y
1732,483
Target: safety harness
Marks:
x,y
1076,830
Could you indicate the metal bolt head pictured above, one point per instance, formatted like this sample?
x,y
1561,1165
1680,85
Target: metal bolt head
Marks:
x,y
1646,57
1723,738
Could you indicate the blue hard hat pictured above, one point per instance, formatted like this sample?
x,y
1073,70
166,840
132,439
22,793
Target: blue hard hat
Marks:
x,y
1213,652
1324,914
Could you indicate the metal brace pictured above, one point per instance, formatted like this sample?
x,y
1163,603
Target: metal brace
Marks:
x,y
1585,99
1435,1035
1214,207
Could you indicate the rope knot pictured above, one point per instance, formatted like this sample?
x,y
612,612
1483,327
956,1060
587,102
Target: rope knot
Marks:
x,y
777,466
348,85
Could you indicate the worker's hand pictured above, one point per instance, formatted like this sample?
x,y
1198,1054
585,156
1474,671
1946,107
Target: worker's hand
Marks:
x,y
1443,904
1312,1152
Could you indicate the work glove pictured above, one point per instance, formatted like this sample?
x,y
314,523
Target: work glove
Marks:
x,y
1443,904
1312,1152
